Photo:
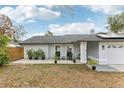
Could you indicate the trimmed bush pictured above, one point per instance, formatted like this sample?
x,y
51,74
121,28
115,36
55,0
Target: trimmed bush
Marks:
x,y
92,62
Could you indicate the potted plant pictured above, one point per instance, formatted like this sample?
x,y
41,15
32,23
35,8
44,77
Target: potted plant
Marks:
x,y
92,63
55,59
74,60
36,55
57,54
43,56
30,53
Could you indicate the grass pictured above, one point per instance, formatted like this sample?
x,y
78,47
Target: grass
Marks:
x,y
62,76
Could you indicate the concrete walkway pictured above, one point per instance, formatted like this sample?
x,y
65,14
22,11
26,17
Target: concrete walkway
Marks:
x,y
26,61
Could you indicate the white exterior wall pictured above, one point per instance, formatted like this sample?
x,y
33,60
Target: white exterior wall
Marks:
x,y
111,55
51,51
35,47
83,52
76,48
102,53
93,50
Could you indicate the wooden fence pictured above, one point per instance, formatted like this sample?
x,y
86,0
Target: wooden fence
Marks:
x,y
16,53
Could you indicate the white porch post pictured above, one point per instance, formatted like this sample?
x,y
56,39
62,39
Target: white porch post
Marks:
x,y
83,52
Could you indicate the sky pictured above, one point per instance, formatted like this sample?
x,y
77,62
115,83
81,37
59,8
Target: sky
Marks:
x,y
78,19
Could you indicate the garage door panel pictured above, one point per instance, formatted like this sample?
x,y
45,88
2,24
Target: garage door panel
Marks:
x,y
115,54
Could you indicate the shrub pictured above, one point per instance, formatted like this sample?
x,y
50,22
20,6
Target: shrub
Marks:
x,y
30,53
92,62
4,57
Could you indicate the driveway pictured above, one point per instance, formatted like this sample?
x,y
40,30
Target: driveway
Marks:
x,y
110,68
26,61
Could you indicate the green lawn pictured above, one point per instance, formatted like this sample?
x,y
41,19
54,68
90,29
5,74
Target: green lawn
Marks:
x,y
57,76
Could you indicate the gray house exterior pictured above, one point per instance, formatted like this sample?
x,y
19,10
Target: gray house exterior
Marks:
x,y
105,50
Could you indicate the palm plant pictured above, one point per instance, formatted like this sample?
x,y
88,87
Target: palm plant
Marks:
x,y
36,55
30,53
41,53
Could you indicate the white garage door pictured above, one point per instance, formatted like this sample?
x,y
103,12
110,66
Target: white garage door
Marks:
x,y
115,54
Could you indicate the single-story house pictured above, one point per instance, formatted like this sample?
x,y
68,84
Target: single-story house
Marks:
x,y
104,48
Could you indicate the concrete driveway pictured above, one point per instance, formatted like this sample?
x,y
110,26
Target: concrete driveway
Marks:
x,y
27,61
110,68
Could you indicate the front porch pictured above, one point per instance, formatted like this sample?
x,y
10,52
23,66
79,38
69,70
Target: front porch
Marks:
x,y
79,51
27,61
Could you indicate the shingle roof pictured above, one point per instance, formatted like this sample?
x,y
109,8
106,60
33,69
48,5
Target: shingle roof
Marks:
x,y
66,39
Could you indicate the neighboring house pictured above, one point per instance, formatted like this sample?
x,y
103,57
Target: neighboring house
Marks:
x,y
104,48
14,44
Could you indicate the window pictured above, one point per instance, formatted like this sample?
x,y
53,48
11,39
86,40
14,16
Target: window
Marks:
x,y
69,49
57,48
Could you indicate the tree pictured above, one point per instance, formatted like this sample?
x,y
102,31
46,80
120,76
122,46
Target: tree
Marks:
x,y
116,23
6,28
4,40
5,25
19,33
48,33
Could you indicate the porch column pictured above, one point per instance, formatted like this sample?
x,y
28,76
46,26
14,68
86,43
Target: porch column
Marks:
x,y
83,52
